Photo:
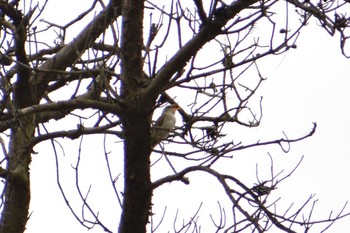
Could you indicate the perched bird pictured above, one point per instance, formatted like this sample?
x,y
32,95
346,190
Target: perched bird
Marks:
x,y
165,123
262,189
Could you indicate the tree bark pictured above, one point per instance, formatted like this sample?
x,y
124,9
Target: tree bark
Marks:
x,y
17,186
137,178
136,122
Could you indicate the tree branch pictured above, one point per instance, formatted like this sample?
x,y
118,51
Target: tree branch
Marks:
x,y
70,53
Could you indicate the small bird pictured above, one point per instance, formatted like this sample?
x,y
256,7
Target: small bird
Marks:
x,y
165,123
262,189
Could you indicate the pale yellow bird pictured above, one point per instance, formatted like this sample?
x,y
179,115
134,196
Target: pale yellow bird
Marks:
x,y
165,123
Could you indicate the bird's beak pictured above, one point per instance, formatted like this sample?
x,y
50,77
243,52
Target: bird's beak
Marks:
x,y
176,107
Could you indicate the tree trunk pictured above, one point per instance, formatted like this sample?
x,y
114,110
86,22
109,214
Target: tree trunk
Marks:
x,y
136,123
17,186
137,180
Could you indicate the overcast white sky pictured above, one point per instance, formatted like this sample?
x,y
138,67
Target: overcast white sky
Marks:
x,y
309,84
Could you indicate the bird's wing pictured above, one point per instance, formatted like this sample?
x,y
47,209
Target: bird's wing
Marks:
x,y
160,120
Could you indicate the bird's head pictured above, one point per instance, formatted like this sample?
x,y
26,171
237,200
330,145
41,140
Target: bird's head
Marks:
x,y
171,108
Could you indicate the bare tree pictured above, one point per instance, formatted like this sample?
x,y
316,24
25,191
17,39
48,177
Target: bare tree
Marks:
x,y
132,58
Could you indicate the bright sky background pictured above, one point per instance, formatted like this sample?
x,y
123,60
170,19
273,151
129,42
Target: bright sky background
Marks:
x,y
306,85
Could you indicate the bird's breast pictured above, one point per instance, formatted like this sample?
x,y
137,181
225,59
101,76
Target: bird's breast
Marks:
x,y
169,122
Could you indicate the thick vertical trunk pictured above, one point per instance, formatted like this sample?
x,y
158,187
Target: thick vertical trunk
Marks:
x,y
17,186
136,123
137,181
